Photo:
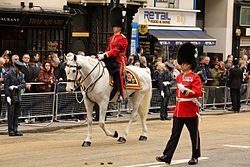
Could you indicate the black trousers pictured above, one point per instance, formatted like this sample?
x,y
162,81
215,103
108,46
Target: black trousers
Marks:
x,y
235,97
13,114
164,106
192,126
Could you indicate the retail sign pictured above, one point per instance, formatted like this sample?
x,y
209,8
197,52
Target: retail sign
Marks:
x,y
197,43
166,17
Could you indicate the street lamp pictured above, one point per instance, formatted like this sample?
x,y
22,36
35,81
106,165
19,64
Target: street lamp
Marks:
x,y
237,34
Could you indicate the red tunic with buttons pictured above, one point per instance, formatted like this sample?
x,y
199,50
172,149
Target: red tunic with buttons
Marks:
x,y
186,109
117,47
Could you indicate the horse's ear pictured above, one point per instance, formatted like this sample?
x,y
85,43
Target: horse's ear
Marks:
x,y
75,58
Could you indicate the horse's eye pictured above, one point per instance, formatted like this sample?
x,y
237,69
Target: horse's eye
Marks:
x,y
74,71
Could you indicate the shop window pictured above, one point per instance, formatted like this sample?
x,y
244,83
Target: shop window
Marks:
x,y
45,41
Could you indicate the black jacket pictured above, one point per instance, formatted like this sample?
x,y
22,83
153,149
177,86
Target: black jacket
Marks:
x,y
16,79
28,73
164,76
235,78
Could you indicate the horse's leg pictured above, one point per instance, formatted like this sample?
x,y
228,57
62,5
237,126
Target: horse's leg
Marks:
x,y
143,116
136,102
89,107
143,113
102,112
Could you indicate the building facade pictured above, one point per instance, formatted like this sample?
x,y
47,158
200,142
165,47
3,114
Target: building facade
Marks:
x,y
30,27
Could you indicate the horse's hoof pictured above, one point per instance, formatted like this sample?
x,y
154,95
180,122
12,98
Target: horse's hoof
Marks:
x,y
116,134
143,138
86,144
122,140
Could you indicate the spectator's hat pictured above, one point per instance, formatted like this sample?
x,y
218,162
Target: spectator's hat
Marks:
x,y
187,54
235,62
116,16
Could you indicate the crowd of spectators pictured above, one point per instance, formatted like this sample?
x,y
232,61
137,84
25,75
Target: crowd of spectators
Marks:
x,y
46,72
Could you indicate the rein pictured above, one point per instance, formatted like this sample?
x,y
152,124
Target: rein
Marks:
x,y
79,83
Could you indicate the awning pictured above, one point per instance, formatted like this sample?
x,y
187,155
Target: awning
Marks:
x,y
172,36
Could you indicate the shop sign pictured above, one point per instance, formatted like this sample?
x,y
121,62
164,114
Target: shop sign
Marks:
x,y
197,43
143,29
173,17
9,19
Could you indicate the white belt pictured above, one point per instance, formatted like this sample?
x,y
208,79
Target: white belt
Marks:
x,y
195,100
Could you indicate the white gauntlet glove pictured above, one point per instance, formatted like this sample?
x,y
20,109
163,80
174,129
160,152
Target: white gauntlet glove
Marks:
x,y
101,56
166,83
181,87
9,100
13,87
162,94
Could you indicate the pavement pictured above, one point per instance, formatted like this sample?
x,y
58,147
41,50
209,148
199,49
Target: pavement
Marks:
x,y
48,126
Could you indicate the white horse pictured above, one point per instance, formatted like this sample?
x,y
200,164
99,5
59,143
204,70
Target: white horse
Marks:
x,y
92,77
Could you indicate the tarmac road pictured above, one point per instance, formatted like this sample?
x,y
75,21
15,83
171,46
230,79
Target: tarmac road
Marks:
x,y
225,141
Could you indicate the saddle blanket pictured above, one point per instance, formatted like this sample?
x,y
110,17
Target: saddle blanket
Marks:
x,y
132,80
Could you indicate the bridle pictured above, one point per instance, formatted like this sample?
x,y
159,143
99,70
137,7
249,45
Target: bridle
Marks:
x,y
79,82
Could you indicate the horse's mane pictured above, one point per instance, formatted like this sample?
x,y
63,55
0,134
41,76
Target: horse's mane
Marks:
x,y
87,59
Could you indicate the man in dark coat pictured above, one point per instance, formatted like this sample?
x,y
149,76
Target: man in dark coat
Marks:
x,y
13,84
234,83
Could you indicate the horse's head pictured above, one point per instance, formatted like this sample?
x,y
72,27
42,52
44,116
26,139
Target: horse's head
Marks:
x,y
72,70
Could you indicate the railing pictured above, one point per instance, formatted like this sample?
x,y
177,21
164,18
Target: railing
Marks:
x,y
58,104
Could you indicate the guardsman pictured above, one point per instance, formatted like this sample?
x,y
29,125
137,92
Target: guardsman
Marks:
x,y
13,84
115,55
189,88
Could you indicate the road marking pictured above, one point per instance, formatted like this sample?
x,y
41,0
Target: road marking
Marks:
x,y
160,164
237,146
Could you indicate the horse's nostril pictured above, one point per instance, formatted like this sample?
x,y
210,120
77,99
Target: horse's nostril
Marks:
x,y
71,90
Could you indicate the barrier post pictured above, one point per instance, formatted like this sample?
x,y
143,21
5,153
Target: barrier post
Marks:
x,y
55,102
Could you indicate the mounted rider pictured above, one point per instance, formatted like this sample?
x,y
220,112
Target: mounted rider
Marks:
x,y
115,54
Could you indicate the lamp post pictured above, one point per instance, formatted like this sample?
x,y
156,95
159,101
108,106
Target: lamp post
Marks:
x,y
237,34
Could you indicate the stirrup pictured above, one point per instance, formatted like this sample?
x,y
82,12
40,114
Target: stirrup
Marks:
x,y
119,99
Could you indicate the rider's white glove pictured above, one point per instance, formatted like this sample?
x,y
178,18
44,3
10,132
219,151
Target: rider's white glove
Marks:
x,y
181,87
9,100
13,87
101,56
166,83
162,94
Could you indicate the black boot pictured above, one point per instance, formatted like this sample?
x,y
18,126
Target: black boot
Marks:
x,y
193,161
163,158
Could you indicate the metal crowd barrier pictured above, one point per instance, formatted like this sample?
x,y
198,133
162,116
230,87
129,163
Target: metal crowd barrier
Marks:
x,y
59,104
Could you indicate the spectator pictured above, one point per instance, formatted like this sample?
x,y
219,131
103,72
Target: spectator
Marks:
x,y
177,69
7,62
229,59
130,60
35,67
58,69
13,59
139,52
235,81
49,57
37,59
2,74
208,70
137,63
27,69
46,75
143,62
200,70
81,53
243,67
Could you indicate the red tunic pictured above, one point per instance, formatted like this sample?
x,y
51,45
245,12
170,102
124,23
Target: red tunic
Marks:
x,y
193,82
117,47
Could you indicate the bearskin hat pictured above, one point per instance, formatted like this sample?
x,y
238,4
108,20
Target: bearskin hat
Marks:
x,y
186,54
116,16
